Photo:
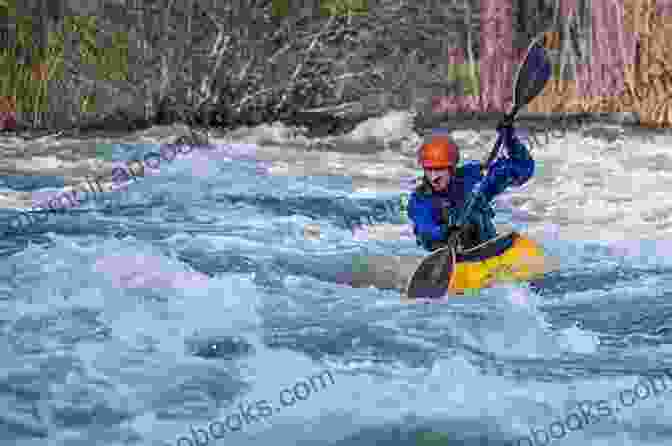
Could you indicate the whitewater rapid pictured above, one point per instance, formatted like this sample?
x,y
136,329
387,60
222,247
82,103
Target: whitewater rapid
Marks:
x,y
165,306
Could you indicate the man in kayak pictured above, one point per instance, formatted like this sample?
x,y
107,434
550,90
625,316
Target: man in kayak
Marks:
x,y
436,205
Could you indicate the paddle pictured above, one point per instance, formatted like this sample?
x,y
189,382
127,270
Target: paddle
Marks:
x,y
432,277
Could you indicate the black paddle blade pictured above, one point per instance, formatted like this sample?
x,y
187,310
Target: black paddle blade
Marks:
x,y
431,279
532,74
530,79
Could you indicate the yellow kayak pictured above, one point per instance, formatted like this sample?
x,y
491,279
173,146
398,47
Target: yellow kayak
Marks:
x,y
509,257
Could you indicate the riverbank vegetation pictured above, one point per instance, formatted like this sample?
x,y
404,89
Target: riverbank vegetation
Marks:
x,y
130,64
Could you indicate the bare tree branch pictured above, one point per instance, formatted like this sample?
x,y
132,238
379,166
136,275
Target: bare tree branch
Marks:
x,y
299,67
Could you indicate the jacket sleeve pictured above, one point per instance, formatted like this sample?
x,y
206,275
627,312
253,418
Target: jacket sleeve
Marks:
x,y
513,170
420,212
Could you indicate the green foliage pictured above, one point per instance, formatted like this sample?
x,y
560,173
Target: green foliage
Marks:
x,y
280,8
557,74
343,7
17,80
24,35
462,72
111,62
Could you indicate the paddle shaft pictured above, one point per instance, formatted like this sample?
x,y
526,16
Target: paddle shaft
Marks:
x,y
520,99
493,155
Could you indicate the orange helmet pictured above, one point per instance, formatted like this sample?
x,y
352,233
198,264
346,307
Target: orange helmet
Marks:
x,y
439,153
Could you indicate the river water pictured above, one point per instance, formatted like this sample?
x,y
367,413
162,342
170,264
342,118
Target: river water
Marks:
x,y
157,314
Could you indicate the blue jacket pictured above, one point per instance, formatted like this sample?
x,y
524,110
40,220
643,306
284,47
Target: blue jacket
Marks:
x,y
433,213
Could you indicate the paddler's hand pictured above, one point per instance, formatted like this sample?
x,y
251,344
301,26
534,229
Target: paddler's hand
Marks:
x,y
427,242
450,230
506,130
453,237
507,121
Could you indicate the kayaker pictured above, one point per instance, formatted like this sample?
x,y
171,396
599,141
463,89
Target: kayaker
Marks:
x,y
436,205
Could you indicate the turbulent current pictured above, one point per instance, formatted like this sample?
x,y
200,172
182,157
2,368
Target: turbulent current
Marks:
x,y
193,308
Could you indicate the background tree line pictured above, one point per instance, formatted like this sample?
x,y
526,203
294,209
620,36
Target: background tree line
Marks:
x,y
322,64
217,63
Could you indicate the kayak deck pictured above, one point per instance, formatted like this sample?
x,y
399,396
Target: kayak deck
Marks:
x,y
508,257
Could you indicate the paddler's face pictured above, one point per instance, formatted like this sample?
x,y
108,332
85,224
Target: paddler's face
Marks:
x,y
439,178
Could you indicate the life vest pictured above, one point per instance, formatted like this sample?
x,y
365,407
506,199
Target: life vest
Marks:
x,y
478,228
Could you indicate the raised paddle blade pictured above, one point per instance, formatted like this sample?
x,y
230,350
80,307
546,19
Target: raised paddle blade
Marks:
x,y
432,277
529,81
532,75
